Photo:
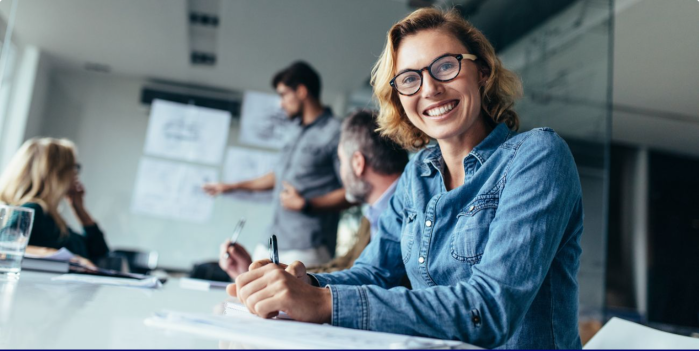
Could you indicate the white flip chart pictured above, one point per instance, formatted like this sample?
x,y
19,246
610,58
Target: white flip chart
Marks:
x,y
187,132
263,122
173,190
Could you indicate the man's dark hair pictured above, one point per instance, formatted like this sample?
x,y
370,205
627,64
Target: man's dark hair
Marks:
x,y
299,73
359,133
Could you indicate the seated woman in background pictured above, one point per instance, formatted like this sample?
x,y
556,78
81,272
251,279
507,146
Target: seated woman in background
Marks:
x,y
40,174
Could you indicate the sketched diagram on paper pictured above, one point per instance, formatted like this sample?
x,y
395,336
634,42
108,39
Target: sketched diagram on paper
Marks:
x,y
263,122
187,132
172,190
181,130
244,164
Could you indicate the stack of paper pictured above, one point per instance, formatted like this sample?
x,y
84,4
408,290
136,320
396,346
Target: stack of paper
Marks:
x,y
257,332
151,282
621,334
235,308
62,254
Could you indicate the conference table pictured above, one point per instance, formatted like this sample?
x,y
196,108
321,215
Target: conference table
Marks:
x,y
38,311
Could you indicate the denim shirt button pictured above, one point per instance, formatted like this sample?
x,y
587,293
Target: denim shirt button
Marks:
x,y
421,260
471,208
428,223
476,319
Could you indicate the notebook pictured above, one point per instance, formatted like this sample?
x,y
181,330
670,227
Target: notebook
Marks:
x,y
45,265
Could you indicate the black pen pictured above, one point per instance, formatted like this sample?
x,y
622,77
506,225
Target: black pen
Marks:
x,y
272,246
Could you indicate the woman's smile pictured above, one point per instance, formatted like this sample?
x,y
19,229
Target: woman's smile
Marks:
x,y
440,110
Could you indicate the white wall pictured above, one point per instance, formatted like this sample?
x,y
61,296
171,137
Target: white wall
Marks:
x,y
655,75
25,111
35,117
102,114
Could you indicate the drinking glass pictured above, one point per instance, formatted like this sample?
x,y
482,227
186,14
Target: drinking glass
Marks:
x,y
15,228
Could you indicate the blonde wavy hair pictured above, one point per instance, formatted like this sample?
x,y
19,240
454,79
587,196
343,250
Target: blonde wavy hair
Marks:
x,y
41,171
498,94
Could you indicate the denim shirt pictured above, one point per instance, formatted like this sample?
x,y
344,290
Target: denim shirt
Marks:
x,y
492,262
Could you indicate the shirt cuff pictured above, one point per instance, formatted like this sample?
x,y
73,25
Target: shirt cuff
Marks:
x,y
319,279
350,306
306,209
314,280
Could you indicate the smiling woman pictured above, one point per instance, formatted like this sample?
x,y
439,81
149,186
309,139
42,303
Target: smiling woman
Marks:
x,y
486,225
498,88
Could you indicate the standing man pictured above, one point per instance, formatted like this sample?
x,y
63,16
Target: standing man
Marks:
x,y
370,166
306,180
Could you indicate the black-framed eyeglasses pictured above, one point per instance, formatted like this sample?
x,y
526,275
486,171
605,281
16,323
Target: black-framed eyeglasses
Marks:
x,y
444,69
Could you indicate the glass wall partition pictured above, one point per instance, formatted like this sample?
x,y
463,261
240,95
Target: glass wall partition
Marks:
x,y
566,67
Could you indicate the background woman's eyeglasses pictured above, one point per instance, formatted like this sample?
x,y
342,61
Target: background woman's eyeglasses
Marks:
x,y
444,69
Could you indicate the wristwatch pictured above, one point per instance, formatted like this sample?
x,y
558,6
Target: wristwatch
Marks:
x,y
307,206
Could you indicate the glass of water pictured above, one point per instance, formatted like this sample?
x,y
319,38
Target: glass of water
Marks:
x,y
15,228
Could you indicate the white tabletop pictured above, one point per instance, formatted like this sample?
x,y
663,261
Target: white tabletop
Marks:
x,y
36,312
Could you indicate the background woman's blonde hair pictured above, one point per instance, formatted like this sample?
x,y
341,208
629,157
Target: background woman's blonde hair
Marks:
x,y
41,171
502,87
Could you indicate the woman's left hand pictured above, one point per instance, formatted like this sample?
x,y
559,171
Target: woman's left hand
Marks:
x,y
75,194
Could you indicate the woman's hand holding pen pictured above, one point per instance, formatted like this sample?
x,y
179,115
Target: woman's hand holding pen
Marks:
x,y
267,289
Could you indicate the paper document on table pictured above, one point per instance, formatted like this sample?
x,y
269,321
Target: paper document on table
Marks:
x,y
235,308
151,282
621,334
62,254
187,132
202,284
257,332
173,190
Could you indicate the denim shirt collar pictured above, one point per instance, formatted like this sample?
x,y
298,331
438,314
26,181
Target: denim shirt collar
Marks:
x,y
433,160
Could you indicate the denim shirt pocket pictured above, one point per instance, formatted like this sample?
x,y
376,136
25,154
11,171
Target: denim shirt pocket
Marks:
x,y
472,230
408,233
